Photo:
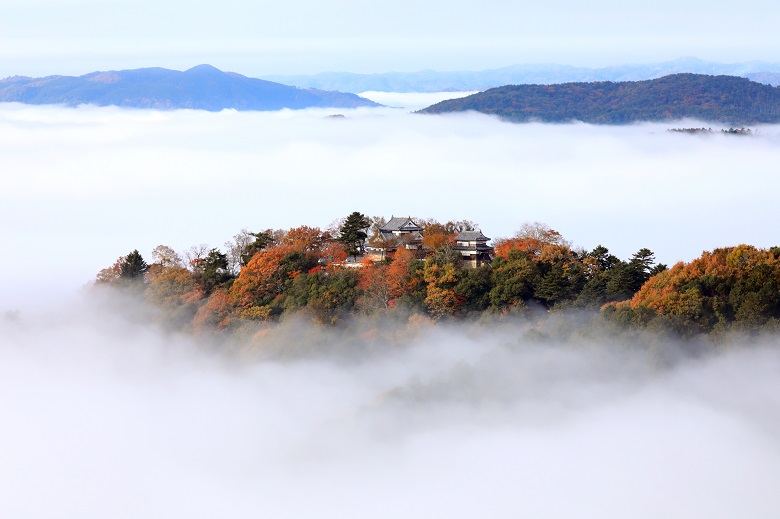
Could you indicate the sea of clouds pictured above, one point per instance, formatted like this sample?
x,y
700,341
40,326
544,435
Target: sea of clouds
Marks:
x,y
105,416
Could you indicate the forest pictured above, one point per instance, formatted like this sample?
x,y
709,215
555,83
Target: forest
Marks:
x,y
325,277
726,99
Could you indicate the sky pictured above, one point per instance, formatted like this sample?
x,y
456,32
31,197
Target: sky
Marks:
x,y
72,37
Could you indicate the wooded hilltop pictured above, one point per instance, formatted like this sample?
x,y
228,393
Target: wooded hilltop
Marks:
x,y
359,268
726,99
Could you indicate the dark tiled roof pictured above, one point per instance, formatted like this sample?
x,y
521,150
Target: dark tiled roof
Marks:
x,y
477,247
400,224
414,235
471,236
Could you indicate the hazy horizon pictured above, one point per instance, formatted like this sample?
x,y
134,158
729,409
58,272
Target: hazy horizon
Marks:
x,y
257,38
250,71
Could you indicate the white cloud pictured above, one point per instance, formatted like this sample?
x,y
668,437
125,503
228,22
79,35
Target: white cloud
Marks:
x,y
411,101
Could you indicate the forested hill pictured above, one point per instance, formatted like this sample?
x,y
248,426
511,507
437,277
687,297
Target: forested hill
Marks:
x,y
725,99
203,87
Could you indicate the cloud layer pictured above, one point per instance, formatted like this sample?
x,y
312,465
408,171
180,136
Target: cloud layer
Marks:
x,y
104,416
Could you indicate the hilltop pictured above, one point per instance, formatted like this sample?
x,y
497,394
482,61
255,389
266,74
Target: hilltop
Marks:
x,y
726,99
412,270
203,87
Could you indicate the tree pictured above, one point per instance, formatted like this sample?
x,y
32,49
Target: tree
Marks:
x,y
172,286
531,239
257,284
306,239
337,297
604,259
441,299
133,267
110,275
735,286
514,279
474,288
244,245
215,313
165,256
212,270
353,233
373,280
436,235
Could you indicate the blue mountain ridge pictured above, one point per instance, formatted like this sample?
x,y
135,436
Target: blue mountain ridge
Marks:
x,y
203,87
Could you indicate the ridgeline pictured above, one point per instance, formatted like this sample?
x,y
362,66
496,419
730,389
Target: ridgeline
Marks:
x,y
724,99
203,87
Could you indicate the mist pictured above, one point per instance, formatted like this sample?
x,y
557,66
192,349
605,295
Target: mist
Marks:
x,y
85,185
413,100
107,415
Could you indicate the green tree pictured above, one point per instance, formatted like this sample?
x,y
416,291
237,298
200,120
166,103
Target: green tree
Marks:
x,y
213,270
261,241
474,288
514,279
603,258
353,233
133,267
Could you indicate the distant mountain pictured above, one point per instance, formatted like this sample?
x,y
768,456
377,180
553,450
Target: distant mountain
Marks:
x,y
726,99
540,74
769,78
203,87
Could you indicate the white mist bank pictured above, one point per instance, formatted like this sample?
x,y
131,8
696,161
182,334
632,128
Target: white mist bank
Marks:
x,y
84,186
104,418
412,100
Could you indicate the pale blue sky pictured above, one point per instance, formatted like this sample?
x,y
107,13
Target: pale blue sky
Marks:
x,y
40,37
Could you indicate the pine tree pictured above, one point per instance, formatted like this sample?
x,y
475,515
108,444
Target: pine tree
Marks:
x,y
133,267
353,233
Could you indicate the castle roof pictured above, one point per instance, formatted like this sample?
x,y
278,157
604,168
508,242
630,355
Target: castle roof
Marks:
x,y
400,224
471,236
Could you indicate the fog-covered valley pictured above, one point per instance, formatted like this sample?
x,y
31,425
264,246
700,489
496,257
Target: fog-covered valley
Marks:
x,y
104,415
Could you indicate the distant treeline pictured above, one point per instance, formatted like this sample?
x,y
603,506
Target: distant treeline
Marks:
x,y
707,131
726,99
306,272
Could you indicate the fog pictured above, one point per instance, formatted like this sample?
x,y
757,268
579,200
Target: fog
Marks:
x,y
104,416
413,100
82,186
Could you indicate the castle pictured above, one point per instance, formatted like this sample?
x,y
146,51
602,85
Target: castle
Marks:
x,y
400,232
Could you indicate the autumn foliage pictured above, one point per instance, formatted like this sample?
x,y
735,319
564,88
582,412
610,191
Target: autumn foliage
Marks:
x,y
734,287
305,271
